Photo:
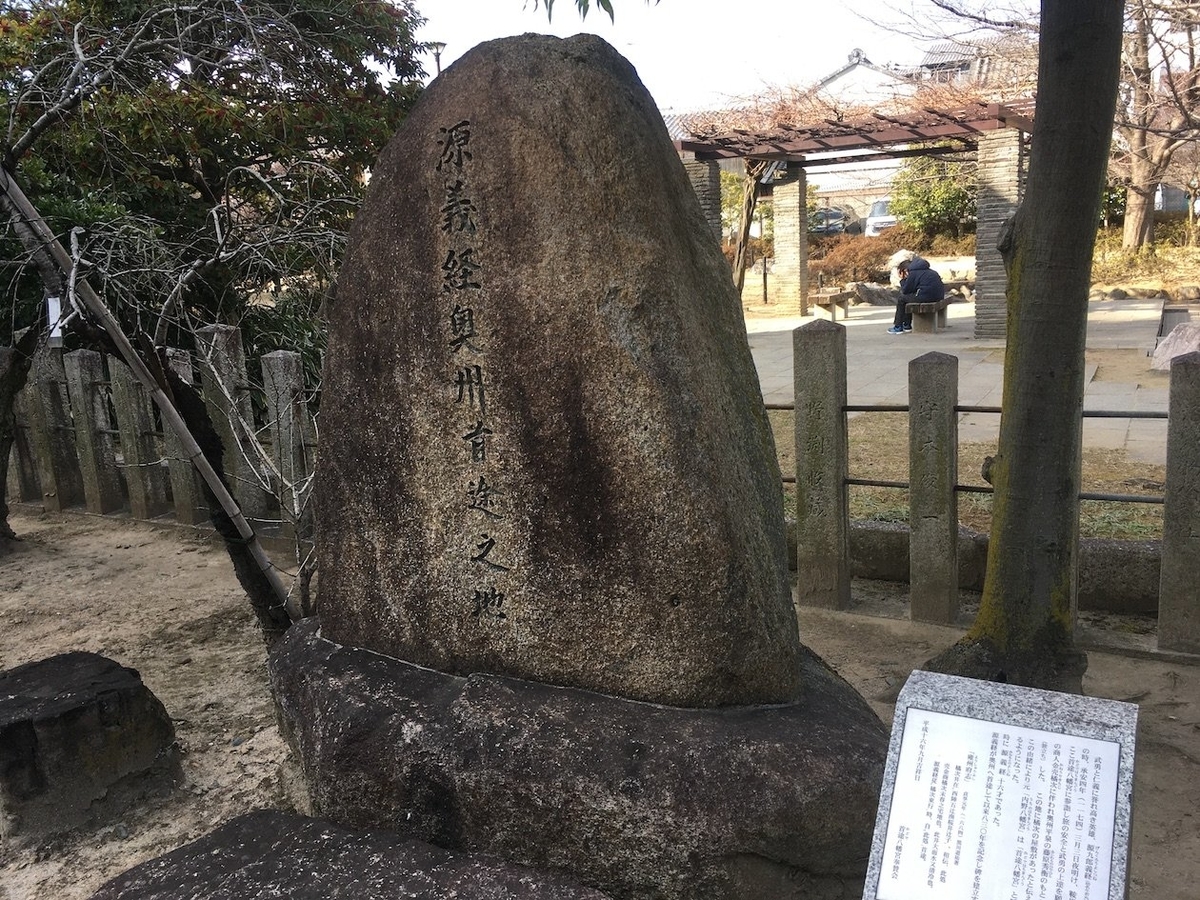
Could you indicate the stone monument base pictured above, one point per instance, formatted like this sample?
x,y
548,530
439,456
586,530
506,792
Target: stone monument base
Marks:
x,y
634,799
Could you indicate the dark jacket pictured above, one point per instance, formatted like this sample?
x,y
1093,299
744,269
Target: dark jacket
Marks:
x,y
922,281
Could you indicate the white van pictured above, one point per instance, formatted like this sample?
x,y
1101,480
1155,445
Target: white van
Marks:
x,y
879,218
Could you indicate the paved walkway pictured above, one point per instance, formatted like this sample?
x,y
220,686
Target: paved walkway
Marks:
x,y
877,365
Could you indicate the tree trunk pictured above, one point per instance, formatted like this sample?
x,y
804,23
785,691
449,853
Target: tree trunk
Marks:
x,y
1139,208
14,364
1024,631
754,170
14,372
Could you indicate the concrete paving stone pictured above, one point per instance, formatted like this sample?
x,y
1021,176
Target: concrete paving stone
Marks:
x,y
1153,452
1110,434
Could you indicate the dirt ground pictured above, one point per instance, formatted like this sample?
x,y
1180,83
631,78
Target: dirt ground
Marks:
x,y
166,603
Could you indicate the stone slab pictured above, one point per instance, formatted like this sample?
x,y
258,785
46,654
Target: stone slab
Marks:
x,y
275,854
993,791
80,736
639,800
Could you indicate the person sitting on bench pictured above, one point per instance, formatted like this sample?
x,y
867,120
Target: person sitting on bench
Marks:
x,y
918,284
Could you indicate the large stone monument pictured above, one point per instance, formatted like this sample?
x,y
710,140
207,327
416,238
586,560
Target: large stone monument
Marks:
x,y
555,622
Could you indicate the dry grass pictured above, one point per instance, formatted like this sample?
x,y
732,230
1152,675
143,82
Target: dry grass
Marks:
x,y
879,451
1164,267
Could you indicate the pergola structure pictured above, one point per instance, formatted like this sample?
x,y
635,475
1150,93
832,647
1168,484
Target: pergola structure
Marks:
x,y
993,131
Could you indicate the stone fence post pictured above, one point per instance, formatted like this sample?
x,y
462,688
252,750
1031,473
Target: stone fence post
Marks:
x,y
292,434
225,388
52,432
187,489
932,502
1179,589
144,468
822,501
94,435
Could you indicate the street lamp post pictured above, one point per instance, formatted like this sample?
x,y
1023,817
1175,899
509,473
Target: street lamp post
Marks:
x,y
437,47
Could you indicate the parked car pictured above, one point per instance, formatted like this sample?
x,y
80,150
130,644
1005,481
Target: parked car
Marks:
x,y
829,220
880,218
834,220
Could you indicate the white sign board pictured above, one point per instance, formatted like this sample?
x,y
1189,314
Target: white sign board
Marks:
x,y
972,797
988,808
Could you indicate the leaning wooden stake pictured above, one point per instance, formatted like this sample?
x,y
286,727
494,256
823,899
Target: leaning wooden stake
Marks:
x,y
171,417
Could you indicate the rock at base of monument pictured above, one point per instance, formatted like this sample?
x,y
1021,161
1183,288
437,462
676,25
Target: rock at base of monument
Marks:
x,y
275,854
81,737
634,799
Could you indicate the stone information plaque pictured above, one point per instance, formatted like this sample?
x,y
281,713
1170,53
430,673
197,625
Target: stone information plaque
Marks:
x,y
996,792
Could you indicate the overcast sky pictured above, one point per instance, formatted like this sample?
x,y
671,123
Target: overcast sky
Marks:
x,y
700,54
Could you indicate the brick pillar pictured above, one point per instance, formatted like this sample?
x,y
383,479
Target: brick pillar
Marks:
x,y
705,176
789,281
1003,160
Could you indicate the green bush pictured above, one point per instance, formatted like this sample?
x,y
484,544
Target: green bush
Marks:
x,y
936,195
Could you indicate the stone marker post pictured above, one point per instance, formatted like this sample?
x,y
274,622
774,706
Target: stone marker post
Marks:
x,y
822,502
52,433
1179,588
932,502
93,431
145,474
187,490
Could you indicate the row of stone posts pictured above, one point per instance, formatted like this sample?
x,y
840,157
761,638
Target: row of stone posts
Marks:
x,y
88,436
822,490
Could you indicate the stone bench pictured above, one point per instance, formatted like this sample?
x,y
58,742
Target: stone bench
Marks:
x,y
929,317
828,304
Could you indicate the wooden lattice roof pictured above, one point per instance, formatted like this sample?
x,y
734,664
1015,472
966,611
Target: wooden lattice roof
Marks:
x,y
876,136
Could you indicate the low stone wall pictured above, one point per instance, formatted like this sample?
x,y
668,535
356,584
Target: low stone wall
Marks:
x,y
1114,576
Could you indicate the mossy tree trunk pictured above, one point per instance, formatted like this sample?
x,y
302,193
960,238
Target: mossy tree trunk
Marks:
x,y
1024,631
